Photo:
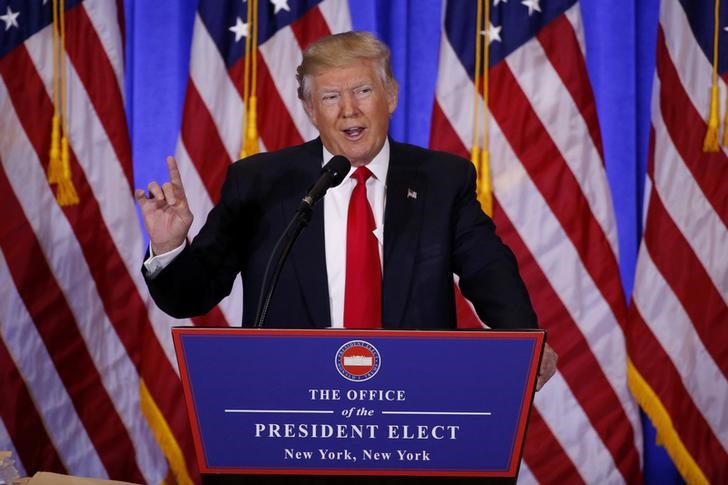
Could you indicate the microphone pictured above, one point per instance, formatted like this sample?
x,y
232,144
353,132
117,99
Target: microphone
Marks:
x,y
332,174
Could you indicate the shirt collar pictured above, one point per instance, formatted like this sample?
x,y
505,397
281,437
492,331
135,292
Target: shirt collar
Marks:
x,y
378,166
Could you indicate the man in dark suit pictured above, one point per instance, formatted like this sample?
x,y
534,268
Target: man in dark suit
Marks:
x,y
381,248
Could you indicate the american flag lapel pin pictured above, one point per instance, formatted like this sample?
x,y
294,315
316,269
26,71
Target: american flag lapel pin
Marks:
x,y
411,194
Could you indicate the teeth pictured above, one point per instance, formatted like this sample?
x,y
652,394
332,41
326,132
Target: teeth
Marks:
x,y
353,131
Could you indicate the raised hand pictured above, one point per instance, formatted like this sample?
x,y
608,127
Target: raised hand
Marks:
x,y
166,214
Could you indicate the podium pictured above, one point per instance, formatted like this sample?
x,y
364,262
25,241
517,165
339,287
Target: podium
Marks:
x,y
358,403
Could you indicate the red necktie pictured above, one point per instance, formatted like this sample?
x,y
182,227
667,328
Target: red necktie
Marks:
x,y
363,292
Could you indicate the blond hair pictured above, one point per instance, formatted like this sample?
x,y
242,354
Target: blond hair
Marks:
x,y
341,50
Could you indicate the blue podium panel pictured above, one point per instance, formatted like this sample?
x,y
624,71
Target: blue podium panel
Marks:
x,y
358,402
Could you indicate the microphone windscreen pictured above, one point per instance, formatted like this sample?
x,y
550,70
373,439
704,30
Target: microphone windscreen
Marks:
x,y
338,167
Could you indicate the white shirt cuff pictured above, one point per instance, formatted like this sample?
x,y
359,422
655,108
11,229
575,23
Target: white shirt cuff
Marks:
x,y
155,264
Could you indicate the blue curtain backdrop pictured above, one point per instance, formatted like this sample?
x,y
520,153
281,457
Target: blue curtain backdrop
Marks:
x,y
620,37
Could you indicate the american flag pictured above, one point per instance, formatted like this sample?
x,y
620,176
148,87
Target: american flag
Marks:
x,y
83,350
553,207
678,321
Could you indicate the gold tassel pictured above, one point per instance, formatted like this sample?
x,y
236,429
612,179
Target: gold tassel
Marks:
x,y
54,164
485,190
710,144
66,194
246,84
481,157
250,146
59,165
475,155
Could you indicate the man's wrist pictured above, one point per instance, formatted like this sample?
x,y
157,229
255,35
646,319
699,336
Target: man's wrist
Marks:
x,y
159,250
158,261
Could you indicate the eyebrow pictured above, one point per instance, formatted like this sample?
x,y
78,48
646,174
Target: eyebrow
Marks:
x,y
358,84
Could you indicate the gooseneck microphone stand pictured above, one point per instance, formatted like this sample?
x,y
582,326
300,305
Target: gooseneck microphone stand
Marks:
x,y
289,236
331,175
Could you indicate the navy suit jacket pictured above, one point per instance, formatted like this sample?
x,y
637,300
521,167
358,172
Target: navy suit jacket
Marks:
x,y
433,227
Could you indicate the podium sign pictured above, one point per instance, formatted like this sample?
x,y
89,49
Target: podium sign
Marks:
x,y
348,402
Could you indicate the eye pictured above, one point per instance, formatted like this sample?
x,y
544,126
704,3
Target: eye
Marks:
x,y
363,91
329,98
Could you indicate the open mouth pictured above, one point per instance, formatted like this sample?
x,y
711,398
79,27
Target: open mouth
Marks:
x,y
353,133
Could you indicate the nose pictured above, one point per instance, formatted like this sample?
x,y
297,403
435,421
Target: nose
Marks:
x,y
349,105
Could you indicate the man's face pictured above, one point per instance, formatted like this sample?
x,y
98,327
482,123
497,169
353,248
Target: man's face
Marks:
x,y
350,106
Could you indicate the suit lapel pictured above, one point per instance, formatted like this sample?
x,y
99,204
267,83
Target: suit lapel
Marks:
x,y
308,254
402,221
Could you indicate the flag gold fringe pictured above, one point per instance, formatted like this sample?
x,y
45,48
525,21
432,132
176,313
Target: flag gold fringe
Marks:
x,y
666,434
163,434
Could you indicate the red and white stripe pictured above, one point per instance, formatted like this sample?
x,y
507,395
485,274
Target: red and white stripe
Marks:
x,y
210,138
677,325
553,208
7,445
79,331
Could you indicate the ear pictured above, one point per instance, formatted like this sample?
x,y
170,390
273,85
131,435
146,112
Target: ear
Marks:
x,y
392,95
310,112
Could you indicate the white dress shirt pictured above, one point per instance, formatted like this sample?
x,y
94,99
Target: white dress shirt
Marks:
x,y
336,211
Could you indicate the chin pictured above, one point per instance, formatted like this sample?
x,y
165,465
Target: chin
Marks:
x,y
359,160
358,153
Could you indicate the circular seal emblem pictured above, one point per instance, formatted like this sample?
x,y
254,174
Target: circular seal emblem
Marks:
x,y
357,360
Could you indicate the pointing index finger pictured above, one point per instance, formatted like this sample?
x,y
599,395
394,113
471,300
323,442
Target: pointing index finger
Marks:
x,y
174,175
